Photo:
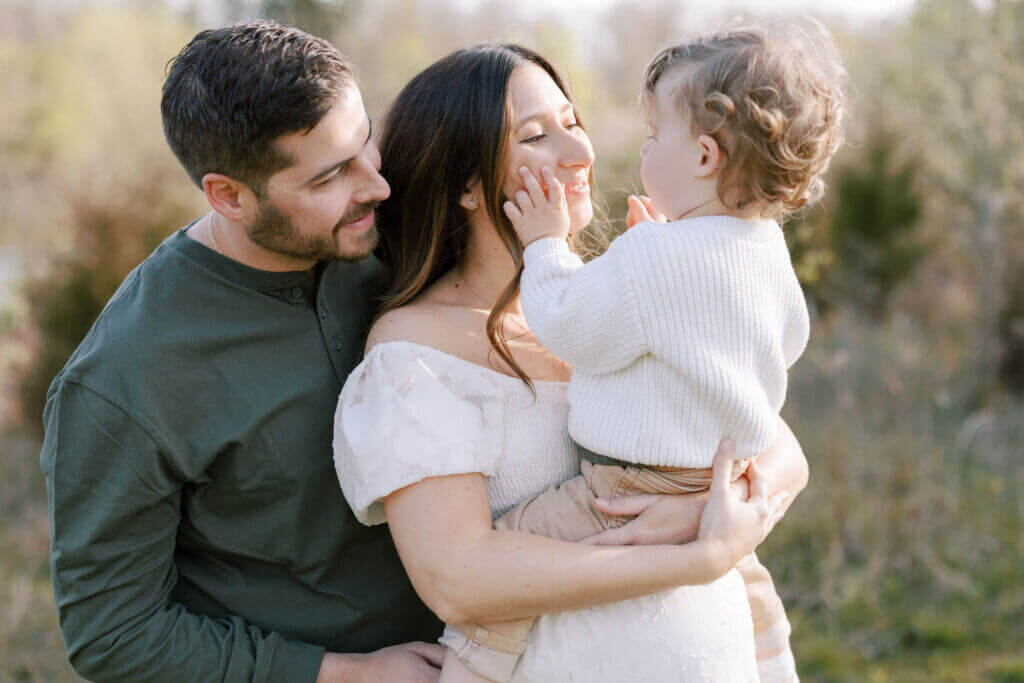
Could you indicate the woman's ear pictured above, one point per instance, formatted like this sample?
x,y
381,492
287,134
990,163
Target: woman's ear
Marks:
x,y
712,156
470,199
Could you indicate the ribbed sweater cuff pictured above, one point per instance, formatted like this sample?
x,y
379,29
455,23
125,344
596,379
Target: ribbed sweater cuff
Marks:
x,y
543,249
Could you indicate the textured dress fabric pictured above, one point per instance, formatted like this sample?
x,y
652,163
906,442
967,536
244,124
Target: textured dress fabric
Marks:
x,y
409,412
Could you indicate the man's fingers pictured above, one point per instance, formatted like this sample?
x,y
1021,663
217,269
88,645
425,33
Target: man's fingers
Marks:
x,y
627,505
532,186
432,652
721,468
556,190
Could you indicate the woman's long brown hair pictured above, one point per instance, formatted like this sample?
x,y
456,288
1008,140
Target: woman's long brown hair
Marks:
x,y
447,130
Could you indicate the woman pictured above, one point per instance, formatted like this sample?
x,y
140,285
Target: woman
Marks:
x,y
457,413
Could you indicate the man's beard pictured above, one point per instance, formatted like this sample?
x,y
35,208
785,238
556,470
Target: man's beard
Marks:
x,y
275,232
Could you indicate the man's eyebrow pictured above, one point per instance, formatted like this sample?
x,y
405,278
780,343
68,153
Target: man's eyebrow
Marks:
x,y
334,167
532,117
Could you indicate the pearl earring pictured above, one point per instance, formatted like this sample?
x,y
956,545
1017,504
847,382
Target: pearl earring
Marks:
x,y
472,203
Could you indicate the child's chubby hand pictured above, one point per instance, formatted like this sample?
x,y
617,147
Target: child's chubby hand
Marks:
x,y
731,529
535,215
642,209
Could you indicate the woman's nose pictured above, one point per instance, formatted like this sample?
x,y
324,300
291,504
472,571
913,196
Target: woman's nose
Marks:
x,y
578,152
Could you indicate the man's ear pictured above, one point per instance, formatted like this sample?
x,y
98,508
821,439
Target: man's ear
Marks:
x,y
470,199
229,197
712,156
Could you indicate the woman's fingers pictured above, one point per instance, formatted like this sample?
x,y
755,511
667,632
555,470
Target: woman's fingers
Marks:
x,y
627,506
721,469
620,536
556,190
758,483
532,186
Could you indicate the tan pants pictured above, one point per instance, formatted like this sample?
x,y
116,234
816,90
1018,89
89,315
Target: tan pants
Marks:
x,y
566,512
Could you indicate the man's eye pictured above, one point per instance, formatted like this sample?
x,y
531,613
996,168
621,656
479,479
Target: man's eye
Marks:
x,y
334,176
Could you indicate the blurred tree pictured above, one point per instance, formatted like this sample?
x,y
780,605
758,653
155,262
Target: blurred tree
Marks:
x,y
873,227
111,236
957,95
320,17
1011,332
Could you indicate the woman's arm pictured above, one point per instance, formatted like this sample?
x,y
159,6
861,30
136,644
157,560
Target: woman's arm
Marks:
x,y
675,518
466,571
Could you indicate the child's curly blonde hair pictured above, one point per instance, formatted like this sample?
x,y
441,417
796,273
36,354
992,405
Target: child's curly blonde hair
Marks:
x,y
773,102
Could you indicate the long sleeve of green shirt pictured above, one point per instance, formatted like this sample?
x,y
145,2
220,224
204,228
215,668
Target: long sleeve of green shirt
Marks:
x,y
116,510
197,528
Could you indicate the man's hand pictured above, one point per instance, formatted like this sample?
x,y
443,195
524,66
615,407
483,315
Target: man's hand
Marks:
x,y
414,662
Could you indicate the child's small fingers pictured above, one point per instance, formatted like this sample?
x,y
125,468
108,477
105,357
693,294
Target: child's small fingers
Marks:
x,y
638,211
532,186
556,190
524,200
512,211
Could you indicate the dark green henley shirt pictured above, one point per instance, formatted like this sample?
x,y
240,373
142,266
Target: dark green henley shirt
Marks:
x,y
198,531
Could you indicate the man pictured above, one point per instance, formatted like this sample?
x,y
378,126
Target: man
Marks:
x,y
195,514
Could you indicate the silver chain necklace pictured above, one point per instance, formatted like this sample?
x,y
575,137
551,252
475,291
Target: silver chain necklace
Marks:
x,y
213,239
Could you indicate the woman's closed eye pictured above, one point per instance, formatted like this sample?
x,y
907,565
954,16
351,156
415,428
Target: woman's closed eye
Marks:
x,y
540,136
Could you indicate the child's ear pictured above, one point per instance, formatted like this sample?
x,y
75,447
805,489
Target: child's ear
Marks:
x,y
712,156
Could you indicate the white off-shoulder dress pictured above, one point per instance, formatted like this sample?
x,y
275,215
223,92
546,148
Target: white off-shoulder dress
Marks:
x,y
409,412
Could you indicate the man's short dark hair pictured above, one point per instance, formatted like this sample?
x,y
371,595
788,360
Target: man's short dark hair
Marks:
x,y
233,90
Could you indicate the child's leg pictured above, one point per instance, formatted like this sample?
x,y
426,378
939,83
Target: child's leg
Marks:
x,y
775,661
491,651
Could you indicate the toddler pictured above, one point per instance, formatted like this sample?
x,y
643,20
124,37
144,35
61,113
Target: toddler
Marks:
x,y
682,333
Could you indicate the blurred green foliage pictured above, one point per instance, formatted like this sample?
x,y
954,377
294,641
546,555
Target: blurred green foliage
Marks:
x,y
901,561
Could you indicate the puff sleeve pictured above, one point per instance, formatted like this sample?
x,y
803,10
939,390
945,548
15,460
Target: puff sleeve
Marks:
x,y
410,412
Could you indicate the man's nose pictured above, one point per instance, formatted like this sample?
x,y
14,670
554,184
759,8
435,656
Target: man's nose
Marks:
x,y
373,187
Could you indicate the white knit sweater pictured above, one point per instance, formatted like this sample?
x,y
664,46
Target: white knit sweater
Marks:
x,y
680,334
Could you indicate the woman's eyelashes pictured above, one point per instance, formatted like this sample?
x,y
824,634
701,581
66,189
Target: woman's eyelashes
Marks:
x,y
540,136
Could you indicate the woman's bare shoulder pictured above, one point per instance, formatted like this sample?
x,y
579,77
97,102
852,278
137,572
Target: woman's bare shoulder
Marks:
x,y
447,328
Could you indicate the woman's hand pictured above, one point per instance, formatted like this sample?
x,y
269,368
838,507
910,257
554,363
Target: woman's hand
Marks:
x,y
535,215
730,528
658,517
642,209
